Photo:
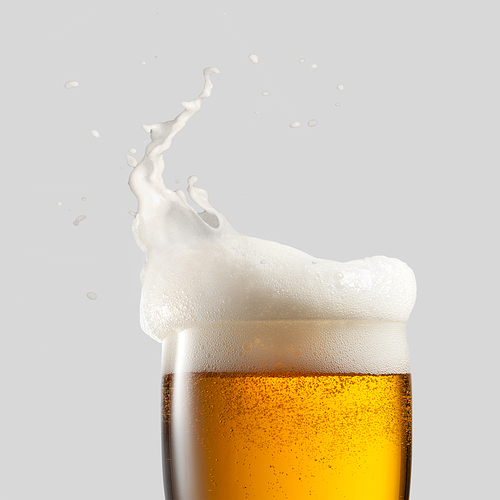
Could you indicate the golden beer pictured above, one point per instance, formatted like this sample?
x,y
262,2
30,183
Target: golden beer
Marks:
x,y
231,436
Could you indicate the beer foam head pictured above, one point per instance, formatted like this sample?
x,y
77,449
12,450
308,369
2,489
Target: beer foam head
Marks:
x,y
199,270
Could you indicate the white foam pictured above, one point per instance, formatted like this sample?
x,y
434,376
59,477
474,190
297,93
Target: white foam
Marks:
x,y
205,284
326,347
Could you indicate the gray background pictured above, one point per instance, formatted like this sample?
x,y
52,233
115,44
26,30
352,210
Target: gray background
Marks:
x,y
404,167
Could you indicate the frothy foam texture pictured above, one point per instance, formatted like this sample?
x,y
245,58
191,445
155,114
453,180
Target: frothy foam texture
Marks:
x,y
203,278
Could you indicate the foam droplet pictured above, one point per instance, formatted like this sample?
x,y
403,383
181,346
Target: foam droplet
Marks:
x,y
294,125
279,366
247,346
340,87
131,161
70,85
256,112
297,352
178,181
133,214
79,219
143,63
302,60
132,150
312,123
263,261
96,134
254,58
84,199
314,66
92,296
59,203
337,104
265,92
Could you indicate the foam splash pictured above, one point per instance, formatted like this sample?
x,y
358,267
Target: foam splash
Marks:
x,y
200,271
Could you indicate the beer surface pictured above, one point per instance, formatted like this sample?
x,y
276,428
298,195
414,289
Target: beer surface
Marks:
x,y
286,436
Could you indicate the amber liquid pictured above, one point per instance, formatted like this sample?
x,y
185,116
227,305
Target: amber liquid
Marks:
x,y
286,436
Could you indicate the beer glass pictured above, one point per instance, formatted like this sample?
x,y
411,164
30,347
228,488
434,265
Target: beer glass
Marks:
x,y
283,409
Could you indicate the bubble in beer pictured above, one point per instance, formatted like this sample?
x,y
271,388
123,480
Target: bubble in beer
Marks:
x,y
247,346
265,92
84,199
79,219
131,161
70,85
340,87
96,134
312,123
294,124
254,58
92,296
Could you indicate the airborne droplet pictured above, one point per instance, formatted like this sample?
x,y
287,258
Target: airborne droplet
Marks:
x,y
294,125
96,134
91,295
314,66
131,161
302,60
265,92
70,85
312,123
79,219
254,58
340,87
